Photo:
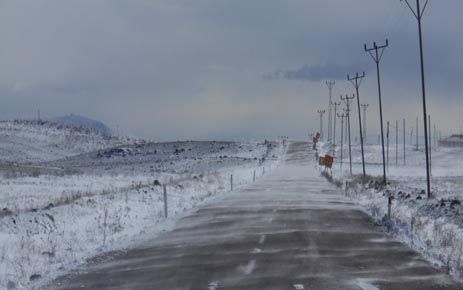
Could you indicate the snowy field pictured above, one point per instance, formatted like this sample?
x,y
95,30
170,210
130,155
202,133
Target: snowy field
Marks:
x,y
435,226
58,212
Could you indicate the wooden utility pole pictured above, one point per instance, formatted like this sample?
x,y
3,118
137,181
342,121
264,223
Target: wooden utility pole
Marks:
x,y
356,81
334,127
377,56
321,112
405,160
348,101
330,86
364,107
417,134
342,116
430,159
418,13
387,137
396,142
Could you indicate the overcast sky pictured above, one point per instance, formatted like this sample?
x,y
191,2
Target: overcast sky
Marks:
x,y
223,69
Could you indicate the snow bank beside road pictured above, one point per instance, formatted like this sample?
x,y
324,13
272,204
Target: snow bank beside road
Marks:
x,y
433,227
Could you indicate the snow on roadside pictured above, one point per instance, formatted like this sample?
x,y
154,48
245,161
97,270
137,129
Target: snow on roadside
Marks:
x,y
433,227
40,242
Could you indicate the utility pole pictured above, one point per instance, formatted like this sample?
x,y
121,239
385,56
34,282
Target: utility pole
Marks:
x,y
419,15
377,56
330,86
417,134
364,107
430,159
334,128
411,136
321,112
356,82
405,160
346,134
342,116
387,155
396,142
348,101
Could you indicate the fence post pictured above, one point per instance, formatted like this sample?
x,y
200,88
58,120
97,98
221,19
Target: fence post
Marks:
x,y
389,204
105,224
346,188
411,231
231,182
254,177
165,199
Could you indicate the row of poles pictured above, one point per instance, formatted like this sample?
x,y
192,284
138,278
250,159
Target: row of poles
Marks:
x,y
376,52
432,137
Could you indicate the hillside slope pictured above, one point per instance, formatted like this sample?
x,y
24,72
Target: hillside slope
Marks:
x,y
36,141
82,122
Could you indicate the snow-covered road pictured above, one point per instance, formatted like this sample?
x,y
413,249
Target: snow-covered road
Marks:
x,y
290,230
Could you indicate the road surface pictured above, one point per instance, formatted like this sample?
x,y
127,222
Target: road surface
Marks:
x,y
290,230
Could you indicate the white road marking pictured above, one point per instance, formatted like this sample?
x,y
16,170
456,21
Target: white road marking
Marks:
x,y
298,287
249,268
213,285
256,251
379,240
262,239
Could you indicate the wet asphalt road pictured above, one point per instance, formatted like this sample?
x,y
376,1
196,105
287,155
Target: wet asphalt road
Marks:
x,y
290,230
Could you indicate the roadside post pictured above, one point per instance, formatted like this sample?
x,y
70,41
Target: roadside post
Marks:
x,y
165,200
389,205
231,182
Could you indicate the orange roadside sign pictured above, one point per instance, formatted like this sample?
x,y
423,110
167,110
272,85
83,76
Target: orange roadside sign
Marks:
x,y
328,161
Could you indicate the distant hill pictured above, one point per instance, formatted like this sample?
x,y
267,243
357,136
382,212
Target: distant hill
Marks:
x,y
83,122
35,141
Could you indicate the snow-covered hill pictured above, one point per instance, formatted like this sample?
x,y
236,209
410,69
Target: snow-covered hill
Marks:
x,y
35,141
82,122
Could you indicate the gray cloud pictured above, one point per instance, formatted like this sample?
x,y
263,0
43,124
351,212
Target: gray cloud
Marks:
x,y
197,65
314,73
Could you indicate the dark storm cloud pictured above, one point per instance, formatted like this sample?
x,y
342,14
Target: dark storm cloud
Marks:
x,y
314,73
